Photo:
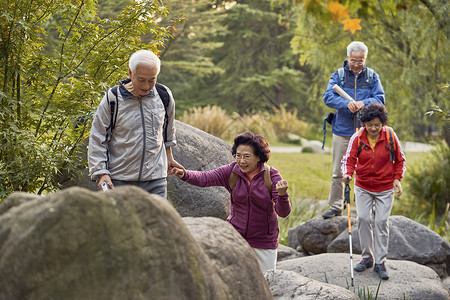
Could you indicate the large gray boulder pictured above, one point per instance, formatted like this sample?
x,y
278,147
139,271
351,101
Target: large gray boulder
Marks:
x,y
316,234
233,258
288,285
408,240
408,280
200,151
121,244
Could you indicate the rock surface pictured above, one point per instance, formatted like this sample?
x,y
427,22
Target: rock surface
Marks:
x,y
408,240
233,259
408,280
121,244
200,151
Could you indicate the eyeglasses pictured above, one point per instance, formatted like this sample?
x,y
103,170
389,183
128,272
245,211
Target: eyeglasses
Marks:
x,y
356,62
245,157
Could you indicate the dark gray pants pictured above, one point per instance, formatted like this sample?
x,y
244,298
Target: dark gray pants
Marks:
x,y
157,186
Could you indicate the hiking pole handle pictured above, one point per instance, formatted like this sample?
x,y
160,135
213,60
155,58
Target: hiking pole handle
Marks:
x,y
347,193
342,93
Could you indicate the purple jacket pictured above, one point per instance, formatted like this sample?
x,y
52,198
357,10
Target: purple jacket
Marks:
x,y
252,212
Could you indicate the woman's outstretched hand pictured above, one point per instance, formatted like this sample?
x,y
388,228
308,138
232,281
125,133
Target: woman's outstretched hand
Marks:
x,y
179,172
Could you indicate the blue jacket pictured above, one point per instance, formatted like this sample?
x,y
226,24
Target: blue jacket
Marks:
x,y
360,89
253,213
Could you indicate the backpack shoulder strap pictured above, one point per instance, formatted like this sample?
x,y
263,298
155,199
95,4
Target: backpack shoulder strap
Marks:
x,y
391,145
341,76
232,180
369,74
360,144
113,105
268,180
164,95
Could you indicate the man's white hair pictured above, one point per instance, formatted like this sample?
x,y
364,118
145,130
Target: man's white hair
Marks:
x,y
144,57
357,46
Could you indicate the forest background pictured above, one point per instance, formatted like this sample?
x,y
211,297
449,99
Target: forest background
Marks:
x,y
252,60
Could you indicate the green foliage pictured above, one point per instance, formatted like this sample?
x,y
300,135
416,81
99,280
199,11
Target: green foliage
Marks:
x,y
429,187
301,211
56,58
366,294
307,150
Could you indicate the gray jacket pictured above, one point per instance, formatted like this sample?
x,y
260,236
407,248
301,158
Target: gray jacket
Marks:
x,y
136,149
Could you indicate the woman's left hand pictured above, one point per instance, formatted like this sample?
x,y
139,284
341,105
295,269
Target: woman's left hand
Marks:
x,y
282,187
398,187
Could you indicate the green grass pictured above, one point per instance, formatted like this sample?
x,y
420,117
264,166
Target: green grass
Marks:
x,y
309,178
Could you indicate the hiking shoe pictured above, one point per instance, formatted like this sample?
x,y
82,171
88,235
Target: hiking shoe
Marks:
x,y
364,264
381,271
331,213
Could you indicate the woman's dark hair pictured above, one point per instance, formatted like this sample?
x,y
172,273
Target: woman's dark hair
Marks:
x,y
257,142
372,111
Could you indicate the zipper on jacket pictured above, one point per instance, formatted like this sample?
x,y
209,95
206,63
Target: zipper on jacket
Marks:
x,y
355,116
143,139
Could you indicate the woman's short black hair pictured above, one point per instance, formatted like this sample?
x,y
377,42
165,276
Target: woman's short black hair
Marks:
x,y
258,143
372,111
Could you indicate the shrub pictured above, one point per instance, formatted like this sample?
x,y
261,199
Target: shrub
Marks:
x,y
285,122
429,182
307,150
211,119
274,127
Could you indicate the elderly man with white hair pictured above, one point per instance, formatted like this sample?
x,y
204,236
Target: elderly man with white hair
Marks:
x,y
364,86
133,130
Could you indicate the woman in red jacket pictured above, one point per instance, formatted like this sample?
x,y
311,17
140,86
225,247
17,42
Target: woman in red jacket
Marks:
x,y
375,155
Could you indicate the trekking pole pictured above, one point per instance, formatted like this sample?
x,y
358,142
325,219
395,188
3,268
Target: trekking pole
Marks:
x,y
347,202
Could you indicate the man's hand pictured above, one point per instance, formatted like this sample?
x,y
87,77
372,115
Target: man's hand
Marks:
x,y
282,187
174,164
179,172
355,106
107,179
398,187
346,178
360,105
352,106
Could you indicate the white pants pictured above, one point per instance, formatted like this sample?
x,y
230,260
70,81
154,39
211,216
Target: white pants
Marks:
x,y
335,199
267,258
374,232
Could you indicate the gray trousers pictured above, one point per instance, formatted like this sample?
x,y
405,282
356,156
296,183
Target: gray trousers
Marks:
x,y
374,230
157,186
336,199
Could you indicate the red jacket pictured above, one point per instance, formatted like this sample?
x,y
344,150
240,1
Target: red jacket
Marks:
x,y
374,171
253,213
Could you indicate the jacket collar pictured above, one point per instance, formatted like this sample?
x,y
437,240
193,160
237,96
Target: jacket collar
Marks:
x,y
126,94
381,138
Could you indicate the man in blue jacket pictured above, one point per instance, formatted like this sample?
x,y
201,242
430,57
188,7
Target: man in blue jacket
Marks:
x,y
364,86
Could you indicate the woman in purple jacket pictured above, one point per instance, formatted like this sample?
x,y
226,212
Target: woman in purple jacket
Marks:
x,y
253,210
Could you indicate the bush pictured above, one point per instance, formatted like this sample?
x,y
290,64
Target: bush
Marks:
x,y
307,150
429,182
211,119
274,127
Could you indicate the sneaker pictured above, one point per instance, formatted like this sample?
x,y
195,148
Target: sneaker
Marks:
x,y
381,270
331,213
364,264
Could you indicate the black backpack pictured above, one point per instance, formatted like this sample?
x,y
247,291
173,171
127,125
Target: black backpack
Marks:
x,y
114,106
